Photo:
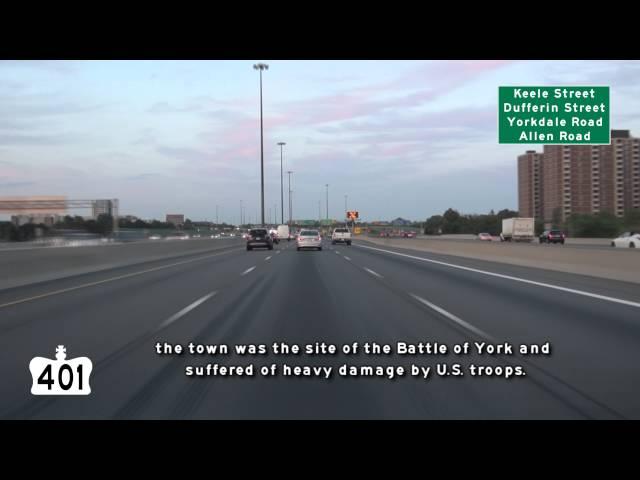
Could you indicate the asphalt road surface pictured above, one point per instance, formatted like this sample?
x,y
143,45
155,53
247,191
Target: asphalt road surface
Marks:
x,y
364,293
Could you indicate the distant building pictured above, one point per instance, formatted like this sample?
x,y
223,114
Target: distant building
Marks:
x,y
175,219
581,179
530,201
102,207
48,220
400,222
130,218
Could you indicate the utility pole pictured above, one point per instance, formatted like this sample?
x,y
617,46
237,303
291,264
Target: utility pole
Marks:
x,y
282,144
327,212
290,202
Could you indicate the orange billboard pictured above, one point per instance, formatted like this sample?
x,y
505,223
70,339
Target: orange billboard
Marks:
x,y
34,205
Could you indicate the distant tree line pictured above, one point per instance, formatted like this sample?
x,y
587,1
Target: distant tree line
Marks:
x,y
103,225
12,233
453,222
156,224
152,224
601,224
578,225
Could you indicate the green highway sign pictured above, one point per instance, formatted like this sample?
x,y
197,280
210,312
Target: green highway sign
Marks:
x,y
554,115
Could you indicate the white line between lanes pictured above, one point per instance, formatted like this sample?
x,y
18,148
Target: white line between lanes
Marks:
x,y
347,258
515,279
268,258
112,279
184,311
248,270
373,273
453,318
337,252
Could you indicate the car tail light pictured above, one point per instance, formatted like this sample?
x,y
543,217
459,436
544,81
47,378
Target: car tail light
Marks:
x,y
318,238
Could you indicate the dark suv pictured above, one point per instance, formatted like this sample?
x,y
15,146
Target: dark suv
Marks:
x,y
259,238
552,236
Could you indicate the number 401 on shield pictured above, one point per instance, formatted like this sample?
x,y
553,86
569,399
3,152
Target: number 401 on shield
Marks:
x,y
60,376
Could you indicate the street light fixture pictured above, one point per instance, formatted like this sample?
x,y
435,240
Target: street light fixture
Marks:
x,y
281,185
260,67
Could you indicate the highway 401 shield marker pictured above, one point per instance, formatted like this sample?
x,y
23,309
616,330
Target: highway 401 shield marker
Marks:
x,y
565,115
61,376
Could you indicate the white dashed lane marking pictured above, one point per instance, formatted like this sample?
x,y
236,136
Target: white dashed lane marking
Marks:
x,y
248,270
184,311
453,318
374,273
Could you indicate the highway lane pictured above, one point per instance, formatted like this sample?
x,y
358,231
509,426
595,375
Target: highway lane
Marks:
x,y
340,295
595,340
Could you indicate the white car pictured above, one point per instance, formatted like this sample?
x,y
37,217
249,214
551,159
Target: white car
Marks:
x,y
486,237
309,239
627,240
155,237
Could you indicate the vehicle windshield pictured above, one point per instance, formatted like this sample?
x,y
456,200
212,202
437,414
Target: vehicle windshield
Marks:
x,y
257,232
341,230
309,233
555,232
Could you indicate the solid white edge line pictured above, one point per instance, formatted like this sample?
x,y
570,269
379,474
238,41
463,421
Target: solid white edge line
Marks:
x,y
184,311
454,318
99,282
373,273
515,279
248,270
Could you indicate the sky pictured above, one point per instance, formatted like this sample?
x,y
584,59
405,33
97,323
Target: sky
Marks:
x,y
398,138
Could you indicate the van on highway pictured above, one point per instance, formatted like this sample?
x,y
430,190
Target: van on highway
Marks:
x,y
283,232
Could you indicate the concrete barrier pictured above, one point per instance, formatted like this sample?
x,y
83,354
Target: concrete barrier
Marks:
x,y
30,265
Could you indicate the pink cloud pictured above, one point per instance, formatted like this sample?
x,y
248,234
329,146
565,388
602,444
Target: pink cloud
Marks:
x,y
436,79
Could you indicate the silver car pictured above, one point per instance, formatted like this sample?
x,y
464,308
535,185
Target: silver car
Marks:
x,y
309,239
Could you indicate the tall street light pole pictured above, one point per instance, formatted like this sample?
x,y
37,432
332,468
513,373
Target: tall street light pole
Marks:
x,y
345,205
260,67
327,185
290,203
281,185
